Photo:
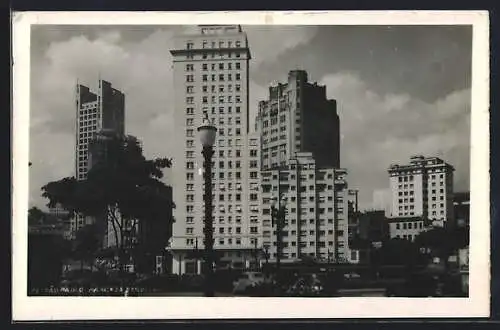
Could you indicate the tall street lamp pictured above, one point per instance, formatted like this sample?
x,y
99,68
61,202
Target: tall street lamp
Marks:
x,y
207,133
278,208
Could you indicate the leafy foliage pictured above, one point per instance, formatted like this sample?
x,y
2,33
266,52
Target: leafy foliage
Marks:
x,y
396,251
87,242
444,240
121,186
36,216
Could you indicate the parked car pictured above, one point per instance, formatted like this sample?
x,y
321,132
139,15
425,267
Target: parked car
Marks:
x,y
247,281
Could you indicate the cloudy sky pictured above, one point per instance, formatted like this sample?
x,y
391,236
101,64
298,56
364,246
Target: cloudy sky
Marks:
x,y
401,90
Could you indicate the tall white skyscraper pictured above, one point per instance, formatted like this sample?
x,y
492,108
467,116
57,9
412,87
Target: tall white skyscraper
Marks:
x,y
211,76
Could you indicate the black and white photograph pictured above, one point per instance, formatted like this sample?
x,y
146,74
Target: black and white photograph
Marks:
x,y
238,159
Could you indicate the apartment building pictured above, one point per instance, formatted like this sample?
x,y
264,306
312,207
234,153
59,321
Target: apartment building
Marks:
x,y
421,194
104,110
211,77
317,204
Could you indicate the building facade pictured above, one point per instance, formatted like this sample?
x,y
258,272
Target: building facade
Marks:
x,y
104,110
421,194
317,204
298,117
299,160
211,76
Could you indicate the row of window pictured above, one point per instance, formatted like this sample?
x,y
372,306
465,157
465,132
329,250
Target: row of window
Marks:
x,y
214,66
303,222
219,100
87,111
220,54
222,110
214,77
213,44
213,89
88,128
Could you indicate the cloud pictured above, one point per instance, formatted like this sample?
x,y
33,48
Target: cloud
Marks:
x,y
268,42
378,126
142,70
380,129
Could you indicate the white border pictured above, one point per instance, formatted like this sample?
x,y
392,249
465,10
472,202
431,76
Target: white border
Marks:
x,y
70,308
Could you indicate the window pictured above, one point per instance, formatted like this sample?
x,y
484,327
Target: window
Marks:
x,y
205,67
189,100
205,77
189,78
237,65
238,76
221,66
221,77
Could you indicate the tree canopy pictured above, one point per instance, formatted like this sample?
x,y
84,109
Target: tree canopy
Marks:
x,y
121,186
444,239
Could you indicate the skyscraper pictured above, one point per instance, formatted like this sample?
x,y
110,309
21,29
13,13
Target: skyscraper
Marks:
x,y
299,140
297,117
421,191
104,110
211,76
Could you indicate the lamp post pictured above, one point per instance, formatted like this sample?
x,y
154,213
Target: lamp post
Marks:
x,y
207,133
278,217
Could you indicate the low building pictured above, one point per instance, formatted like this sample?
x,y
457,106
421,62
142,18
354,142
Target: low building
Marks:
x,y
406,228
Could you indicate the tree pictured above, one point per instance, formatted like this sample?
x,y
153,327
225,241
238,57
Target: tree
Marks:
x,y
87,243
35,216
443,241
122,187
394,252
